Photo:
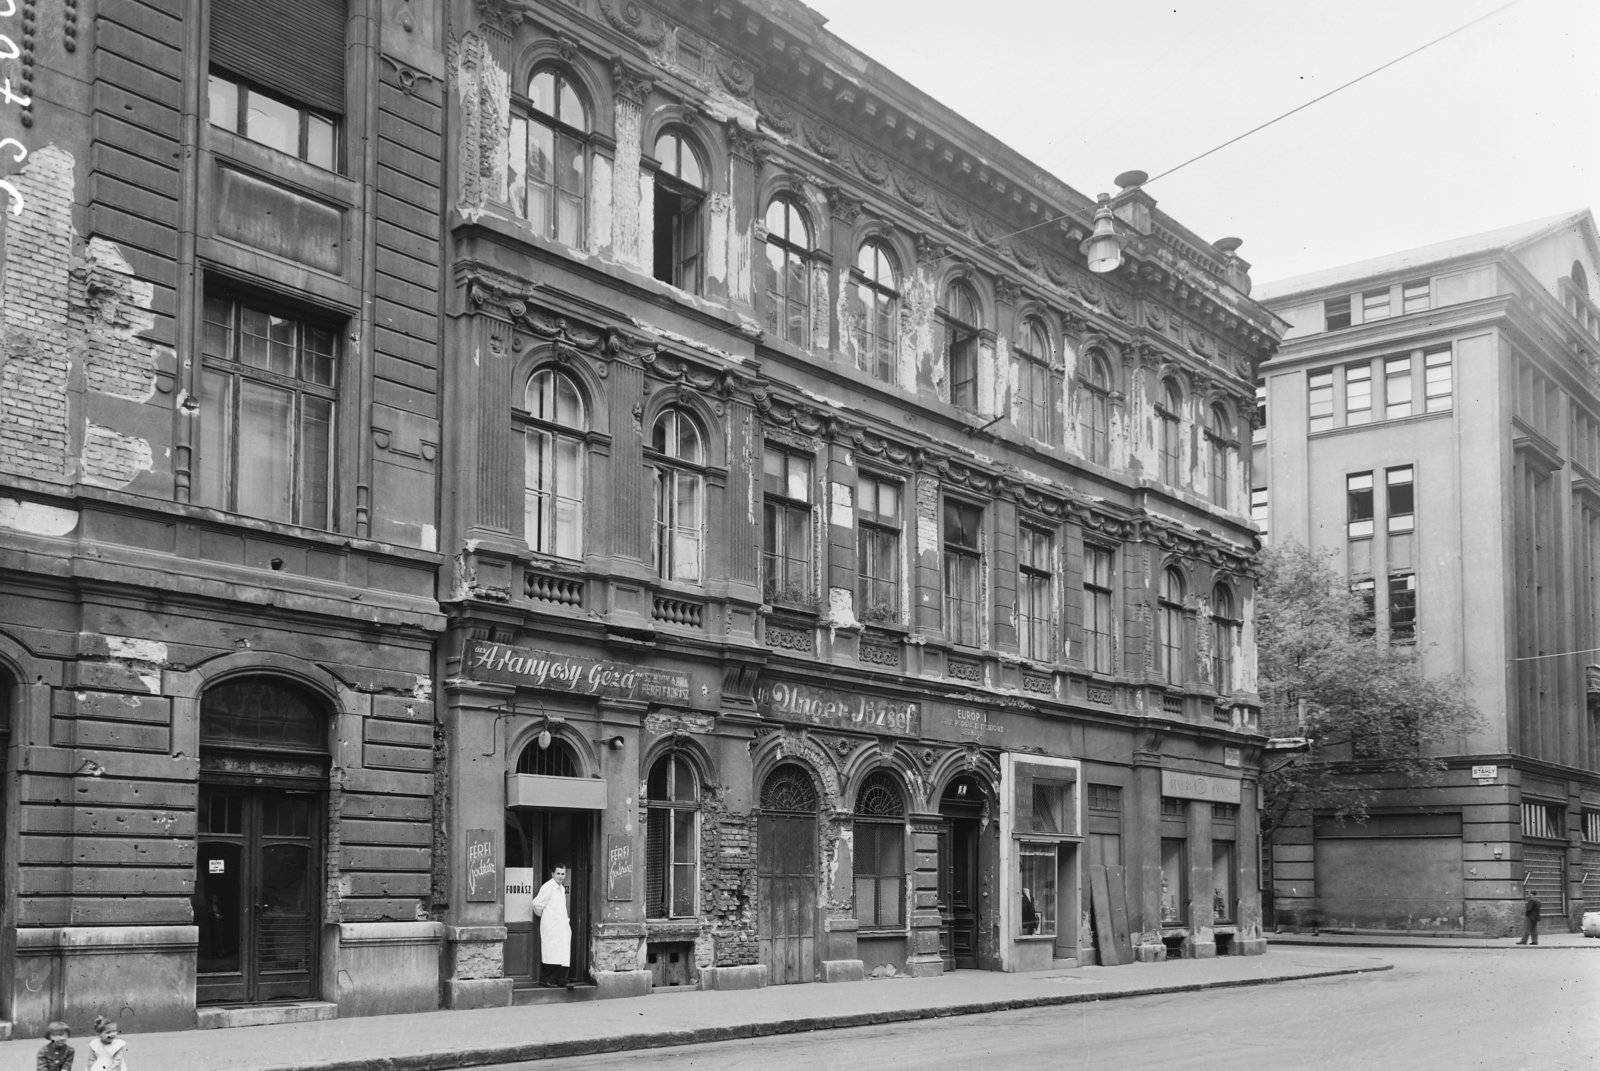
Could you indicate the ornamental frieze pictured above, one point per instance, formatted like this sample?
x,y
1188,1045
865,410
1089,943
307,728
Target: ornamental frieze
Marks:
x,y
631,20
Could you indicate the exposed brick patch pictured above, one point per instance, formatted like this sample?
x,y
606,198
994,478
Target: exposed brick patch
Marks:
x,y
728,884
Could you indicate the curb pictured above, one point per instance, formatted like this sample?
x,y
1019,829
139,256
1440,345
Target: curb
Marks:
x,y
662,1039
1306,941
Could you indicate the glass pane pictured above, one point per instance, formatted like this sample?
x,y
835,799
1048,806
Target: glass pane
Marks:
x,y
541,173
266,436
261,711
283,923
690,448
656,788
316,478
569,164
319,141
254,337
572,112
542,92
517,165
683,887
683,836
1222,864
316,361
215,460
799,480
219,906
217,338
1172,880
1037,889
683,785
776,217
690,167
283,334
223,99
272,123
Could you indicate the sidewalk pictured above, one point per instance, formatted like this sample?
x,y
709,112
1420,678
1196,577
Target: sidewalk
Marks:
x,y
1399,940
434,1041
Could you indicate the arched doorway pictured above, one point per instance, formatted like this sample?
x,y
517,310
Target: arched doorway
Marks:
x,y
258,881
539,839
962,806
786,875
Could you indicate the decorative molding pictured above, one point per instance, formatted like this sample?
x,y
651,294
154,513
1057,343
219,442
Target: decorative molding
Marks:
x,y
845,208
1038,685
958,670
406,75
802,640
629,83
1096,693
880,655
631,21
736,76
503,16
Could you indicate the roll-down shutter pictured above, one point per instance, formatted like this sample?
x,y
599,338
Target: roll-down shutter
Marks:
x,y
294,47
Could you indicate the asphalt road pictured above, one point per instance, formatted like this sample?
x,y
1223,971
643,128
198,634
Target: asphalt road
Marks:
x,y
1455,1010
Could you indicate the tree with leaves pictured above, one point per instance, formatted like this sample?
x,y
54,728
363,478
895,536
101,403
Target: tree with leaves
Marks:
x,y
1369,716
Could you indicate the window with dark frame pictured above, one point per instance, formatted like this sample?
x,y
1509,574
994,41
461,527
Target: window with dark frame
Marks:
x,y
1358,504
786,558
1401,498
880,863
877,327
959,318
1094,414
1170,607
1336,313
1034,402
554,422
963,569
1036,593
677,458
1403,608
1170,415
680,190
878,518
788,272
268,400
1097,625
548,157
1173,807
1319,399
672,812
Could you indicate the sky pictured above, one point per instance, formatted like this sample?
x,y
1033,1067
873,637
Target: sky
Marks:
x,y
1497,125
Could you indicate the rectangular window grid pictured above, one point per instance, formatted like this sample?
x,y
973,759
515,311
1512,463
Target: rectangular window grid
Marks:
x,y
1097,638
1358,504
1591,826
1225,812
878,567
272,121
1358,393
1035,583
1319,399
1401,494
1173,807
1438,381
1545,820
1106,799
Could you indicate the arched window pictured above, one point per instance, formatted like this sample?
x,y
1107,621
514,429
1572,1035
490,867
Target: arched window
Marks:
x,y
264,713
789,282
680,189
1169,413
672,809
959,319
880,858
555,758
1094,409
1224,635
549,157
877,311
677,457
1035,401
554,424
789,790
1171,625
1219,450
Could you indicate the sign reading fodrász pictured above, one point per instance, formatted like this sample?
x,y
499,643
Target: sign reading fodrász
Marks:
x,y
782,701
487,661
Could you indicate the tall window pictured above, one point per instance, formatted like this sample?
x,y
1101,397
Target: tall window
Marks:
x,y
1224,636
1358,504
1374,305
789,272
680,187
1437,380
554,425
1174,881
1094,413
1170,606
1403,608
1402,498
1219,438
289,96
1366,614
1319,399
1336,313
963,569
1034,401
1258,434
672,806
1414,296
1397,387
880,861
549,158
1259,512
959,317
877,311
268,393
1169,414
878,562
786,537
1358,393
1097,631
1224,891
677,456
1035,601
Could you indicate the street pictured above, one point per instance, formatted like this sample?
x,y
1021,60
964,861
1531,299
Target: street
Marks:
x,y
1513,1010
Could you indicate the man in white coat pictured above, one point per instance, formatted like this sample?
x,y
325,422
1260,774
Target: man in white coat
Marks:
x,y
555,932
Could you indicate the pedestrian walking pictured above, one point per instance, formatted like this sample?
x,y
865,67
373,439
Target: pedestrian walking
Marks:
x,y
56,1055
1530,919
107,1051
555,931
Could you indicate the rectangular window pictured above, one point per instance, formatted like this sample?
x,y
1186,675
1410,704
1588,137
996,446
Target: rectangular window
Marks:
x,y
1401,498
1173,807
1403,608
670,863
677,234
1414,296
1224,881
1107,799
1374,305
272,121
268,393
1224,812
278,74
878,562
1544,820
1036,887
1258,434
880,869
1366,593
1336,313
1174,882
1033,402
786,536
1397,387
1035,587
1438,380
1358,393
1319,399
1051,810
961,361
1097,629
680,523
1591,828
963,567
1258,508
1358,500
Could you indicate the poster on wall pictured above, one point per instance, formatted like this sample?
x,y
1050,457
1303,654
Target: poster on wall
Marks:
x,y
519,894
619,868
482,866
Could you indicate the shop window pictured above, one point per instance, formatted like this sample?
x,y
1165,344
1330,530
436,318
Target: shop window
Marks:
x,y
1319,399
878,516
786,561
549,157
268,396
1036,593
1400,488
1170,611
1170,415
672,810
1358,393
877,312
1224,637
1397,388
1174,882
1036,888
1097,603
880,864
680,189
263,712
554,423
788,272
1224,881
1358,504
1336,313
290,96
959,319
677,457
1094,410
1219,453
963,569
1043,804
1438,385
1035,399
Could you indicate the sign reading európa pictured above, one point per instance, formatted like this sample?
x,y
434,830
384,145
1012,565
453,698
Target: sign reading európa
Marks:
x,y
487,661
1188,786
837,710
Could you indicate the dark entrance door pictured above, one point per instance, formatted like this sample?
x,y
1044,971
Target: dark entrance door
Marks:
x,y
962,806
786,875
549,839
256,902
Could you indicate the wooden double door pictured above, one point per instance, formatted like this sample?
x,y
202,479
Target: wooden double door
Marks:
x,y
539,840
257,894
786,878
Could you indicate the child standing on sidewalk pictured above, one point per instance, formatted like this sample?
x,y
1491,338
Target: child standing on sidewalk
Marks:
x,y
57,1054
107,1051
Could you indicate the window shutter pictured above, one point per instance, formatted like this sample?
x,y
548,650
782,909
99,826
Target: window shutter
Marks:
x,y
295,47
1022,812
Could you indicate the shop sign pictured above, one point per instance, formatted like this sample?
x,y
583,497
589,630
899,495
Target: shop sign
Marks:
x,y
969,724
825,707
1486,773
481,868
619,868
487,661
519,894
1188,786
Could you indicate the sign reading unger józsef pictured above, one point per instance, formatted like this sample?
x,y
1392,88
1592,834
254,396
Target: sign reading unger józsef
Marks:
x,y
782,701
487,661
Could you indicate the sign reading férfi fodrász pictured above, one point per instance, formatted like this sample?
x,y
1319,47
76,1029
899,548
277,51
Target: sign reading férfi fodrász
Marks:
x,y
487,661
782,701
1188,786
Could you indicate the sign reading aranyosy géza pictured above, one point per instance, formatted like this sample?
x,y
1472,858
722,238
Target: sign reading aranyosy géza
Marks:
x,y
1188,786
487,661
782,701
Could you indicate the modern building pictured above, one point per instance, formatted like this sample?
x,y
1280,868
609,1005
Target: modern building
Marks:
x,y
655,441
1433,420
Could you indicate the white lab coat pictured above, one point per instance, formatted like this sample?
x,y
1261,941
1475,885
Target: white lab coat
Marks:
x,y
555,932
